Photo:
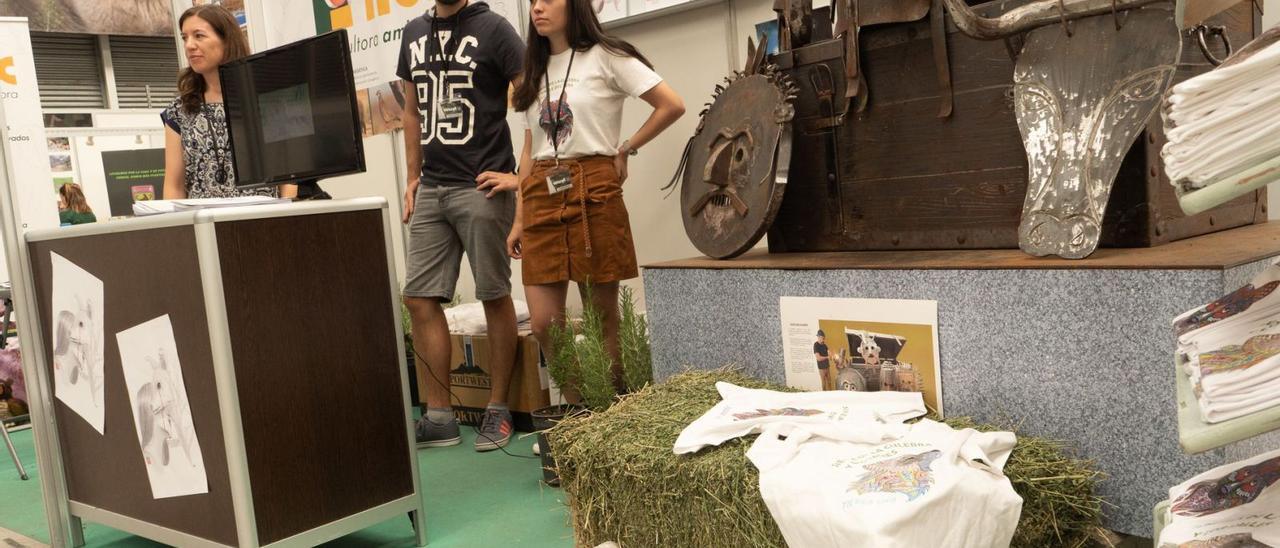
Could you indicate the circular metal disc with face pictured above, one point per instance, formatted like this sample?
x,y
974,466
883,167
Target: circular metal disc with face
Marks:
x,y
736,171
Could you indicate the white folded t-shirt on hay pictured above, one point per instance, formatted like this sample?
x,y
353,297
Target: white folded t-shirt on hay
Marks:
x,y
935,486
868,417
842,468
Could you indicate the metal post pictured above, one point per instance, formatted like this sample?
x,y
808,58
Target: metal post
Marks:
x,y
256,19
178,7
39,388
731,30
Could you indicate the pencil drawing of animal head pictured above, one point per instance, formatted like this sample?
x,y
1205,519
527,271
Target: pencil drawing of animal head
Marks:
x,y
163,412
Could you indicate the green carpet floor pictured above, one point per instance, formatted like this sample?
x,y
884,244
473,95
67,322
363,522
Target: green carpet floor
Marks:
x,y
472,500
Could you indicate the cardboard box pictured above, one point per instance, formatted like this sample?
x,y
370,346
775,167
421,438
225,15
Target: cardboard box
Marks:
x,y
469,375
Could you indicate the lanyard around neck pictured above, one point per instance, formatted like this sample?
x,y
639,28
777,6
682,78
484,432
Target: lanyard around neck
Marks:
x,y
446,62
556,117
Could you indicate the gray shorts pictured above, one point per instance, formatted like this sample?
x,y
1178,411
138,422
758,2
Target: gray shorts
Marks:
x,y
448,221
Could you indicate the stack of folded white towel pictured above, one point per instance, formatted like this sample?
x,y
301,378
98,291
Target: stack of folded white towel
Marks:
x,y
1225,121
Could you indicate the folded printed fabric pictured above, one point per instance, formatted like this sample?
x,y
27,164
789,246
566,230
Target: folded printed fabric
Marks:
x,y
852,416
1258,321
934,486
1215,412
1240,395
1230,349
1260,289
1250,531
1238,379
1236,362
1231,505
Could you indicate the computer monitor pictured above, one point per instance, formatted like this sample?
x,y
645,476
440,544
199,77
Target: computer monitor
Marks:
x,y
292,114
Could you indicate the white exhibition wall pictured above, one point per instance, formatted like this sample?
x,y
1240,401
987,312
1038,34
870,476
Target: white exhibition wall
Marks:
x,y
693,50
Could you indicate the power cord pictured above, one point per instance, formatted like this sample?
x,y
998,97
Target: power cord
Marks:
x,y
455,399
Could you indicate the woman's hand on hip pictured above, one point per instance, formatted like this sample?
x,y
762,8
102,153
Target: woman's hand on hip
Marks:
x,y
620,165
514,248
493,182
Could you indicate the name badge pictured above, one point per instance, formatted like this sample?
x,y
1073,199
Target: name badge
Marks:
x,y
559,180
451,107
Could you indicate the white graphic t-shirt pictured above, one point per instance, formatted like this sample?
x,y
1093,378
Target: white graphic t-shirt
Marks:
x,y
591,114
1236,505
934,486
842,469
869,417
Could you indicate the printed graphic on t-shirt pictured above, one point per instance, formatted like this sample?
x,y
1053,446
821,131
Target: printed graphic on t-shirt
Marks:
x,y
1237,540
548,122
1234,357
910,475
437,87
1235,489
1234,303
784,412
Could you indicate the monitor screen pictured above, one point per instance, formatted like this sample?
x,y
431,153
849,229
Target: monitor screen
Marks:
x,y
292,114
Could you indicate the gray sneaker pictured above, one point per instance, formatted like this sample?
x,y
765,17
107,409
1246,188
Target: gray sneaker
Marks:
x,y
431,434
495,430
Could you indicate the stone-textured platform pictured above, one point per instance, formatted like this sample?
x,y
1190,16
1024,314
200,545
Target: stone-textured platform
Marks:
x,y
1078,350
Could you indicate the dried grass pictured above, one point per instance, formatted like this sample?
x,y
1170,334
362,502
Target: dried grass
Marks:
x,y
624,484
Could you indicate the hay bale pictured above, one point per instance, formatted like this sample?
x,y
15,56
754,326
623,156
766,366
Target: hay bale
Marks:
x,y
624,484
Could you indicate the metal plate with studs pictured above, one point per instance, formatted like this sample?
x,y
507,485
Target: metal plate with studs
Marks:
x,y
737,163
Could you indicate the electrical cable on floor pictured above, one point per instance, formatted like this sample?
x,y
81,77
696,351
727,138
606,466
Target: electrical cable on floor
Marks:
x,y
456,399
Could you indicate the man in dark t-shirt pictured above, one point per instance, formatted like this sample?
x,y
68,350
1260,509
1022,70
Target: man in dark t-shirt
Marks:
x,y
458,61
823,356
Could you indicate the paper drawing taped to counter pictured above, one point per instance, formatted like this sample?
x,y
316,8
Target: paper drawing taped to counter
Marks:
x,y
161,411
78,337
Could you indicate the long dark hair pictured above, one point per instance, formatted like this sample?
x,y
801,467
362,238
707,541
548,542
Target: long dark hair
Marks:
x,y
191,84
583,31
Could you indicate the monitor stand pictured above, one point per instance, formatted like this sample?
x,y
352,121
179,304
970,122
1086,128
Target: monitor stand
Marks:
x,y
309,189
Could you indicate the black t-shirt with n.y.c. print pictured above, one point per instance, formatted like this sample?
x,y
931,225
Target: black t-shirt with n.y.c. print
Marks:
x,y
471,56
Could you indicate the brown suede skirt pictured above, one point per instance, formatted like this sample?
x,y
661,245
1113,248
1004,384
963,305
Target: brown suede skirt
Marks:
x,y
582,234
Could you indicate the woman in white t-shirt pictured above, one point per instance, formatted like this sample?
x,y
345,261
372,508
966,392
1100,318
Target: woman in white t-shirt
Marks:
x,y
571,222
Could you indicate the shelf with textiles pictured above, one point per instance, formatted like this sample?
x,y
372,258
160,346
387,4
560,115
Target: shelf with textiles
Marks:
x,y
1197,436
1221,145
1228,188
1161,517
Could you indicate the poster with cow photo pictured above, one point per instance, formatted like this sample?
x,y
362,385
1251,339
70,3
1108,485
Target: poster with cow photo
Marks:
x,y
862,345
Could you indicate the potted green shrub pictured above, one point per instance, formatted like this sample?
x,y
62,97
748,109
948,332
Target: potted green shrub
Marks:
x,y
581,366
